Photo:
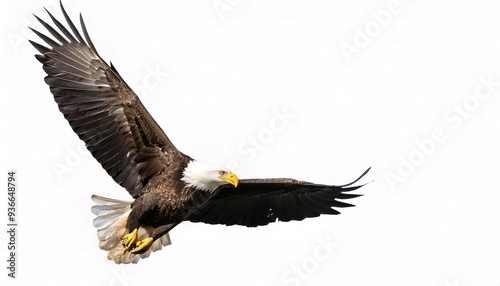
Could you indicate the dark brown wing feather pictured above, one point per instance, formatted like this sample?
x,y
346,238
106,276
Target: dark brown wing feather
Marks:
x,y
102,109
262,201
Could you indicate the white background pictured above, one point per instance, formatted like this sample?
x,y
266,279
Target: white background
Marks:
x,y
215,78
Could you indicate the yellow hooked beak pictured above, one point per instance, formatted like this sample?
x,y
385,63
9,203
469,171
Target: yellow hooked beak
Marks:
x,y
230,178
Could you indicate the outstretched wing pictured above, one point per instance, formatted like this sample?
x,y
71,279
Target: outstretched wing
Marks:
x,y
101,108
262,201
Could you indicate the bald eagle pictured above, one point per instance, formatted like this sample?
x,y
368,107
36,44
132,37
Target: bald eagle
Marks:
x,y
168,187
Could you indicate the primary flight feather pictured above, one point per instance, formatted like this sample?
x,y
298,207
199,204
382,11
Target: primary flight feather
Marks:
x,y
168,186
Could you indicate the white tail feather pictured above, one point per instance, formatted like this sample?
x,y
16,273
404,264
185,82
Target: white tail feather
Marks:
x,y
111,222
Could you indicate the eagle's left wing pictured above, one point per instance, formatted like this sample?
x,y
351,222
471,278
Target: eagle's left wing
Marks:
x,y
102,109
258,202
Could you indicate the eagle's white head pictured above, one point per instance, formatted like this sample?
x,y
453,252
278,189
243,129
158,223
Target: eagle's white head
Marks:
x,y
207,177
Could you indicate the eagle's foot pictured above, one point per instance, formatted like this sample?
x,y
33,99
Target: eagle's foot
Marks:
x,y
130,240
142,245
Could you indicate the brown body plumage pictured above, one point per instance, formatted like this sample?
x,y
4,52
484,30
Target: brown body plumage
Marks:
x,y
168,186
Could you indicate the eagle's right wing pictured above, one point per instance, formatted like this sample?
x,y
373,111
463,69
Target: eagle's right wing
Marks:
x,y
102,109
258,202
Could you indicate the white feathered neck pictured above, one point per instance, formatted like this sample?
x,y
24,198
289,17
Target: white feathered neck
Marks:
x,y
203,176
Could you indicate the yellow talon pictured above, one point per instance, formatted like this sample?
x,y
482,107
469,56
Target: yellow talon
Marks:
x,y
130,240
142,245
